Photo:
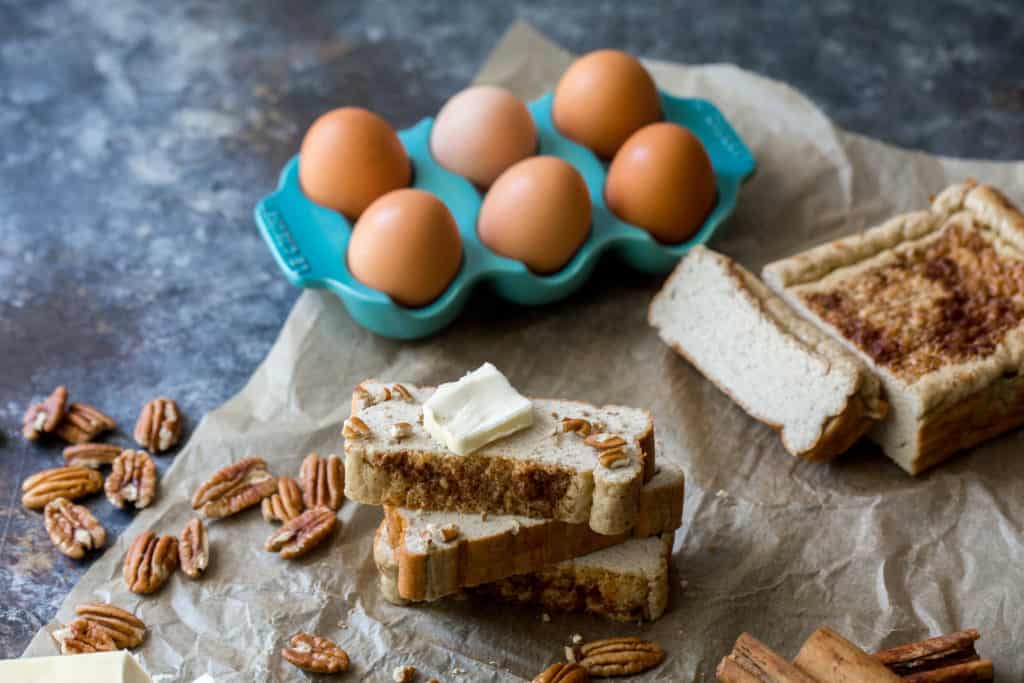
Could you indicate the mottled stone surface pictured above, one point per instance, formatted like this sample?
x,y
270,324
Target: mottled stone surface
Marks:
x,y
135,139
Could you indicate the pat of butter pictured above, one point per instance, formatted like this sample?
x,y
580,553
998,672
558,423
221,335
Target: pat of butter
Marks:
x,y
476,410
98,667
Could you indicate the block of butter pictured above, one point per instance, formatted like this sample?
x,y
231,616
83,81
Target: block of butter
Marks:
x,y
476,410
98,667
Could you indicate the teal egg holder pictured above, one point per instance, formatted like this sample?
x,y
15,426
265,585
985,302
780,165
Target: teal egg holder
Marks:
x,y
309,241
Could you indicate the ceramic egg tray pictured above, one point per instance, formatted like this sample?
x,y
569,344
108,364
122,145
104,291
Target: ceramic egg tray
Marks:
x,y
308,241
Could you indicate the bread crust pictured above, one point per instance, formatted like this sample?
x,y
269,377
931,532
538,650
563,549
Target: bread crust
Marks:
x,y
618,594
484,481
962,402
863,405
444,568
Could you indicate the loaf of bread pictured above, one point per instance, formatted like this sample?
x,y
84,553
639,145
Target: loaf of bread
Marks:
x,y
438,553
626,582
551,470
779,368
933,302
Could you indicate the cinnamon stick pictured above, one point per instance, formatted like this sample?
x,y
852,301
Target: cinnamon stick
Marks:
x,y
827,656
931,654
751,661
978,671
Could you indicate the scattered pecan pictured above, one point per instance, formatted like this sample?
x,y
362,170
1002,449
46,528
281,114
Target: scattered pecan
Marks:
x,y
234,488
286,504
45,416
404,674
150,560
355,428
159,425
82,423
92,455
563,673
577,425
619,656
302,534
124,628
604,441
132,479
613,458
194,548
72,528
80,636
60,482
315,654
323,481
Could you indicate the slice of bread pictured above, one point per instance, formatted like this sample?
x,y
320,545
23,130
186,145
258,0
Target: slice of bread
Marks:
x,y
543,471
626,582
933,302
779,368
483,549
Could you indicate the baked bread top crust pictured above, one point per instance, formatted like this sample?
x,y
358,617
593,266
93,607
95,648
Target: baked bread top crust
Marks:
x,y
934,299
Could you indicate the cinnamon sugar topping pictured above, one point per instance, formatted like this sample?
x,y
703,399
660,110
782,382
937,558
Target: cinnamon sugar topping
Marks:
x,y
946,300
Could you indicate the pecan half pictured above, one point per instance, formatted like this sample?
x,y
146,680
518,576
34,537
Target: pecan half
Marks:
x,y
619,656
124,628
60,482
302,534
315,654
72,528
159,425
577,425
323,481
234,488
401,430
80,636
194,548
355,428
563,673
132,479
93,455
604,441
82,423
286,504
613,458
45,416
150,560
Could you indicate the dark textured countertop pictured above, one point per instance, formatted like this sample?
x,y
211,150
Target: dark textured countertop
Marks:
x,y
135,139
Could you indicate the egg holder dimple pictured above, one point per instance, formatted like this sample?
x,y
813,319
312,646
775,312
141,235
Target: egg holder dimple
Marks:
x,y
309,241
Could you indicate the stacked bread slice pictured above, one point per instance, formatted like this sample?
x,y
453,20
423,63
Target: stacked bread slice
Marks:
x,y
539,516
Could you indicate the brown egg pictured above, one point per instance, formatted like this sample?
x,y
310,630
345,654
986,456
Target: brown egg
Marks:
x,y
482,131
537,212
603,98
662,181
349,158
407,245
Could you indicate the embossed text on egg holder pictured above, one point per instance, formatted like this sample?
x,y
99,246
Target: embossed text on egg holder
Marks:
x,y
309,241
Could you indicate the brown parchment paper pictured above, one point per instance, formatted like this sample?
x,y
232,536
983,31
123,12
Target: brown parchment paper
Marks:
x,y
770,545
